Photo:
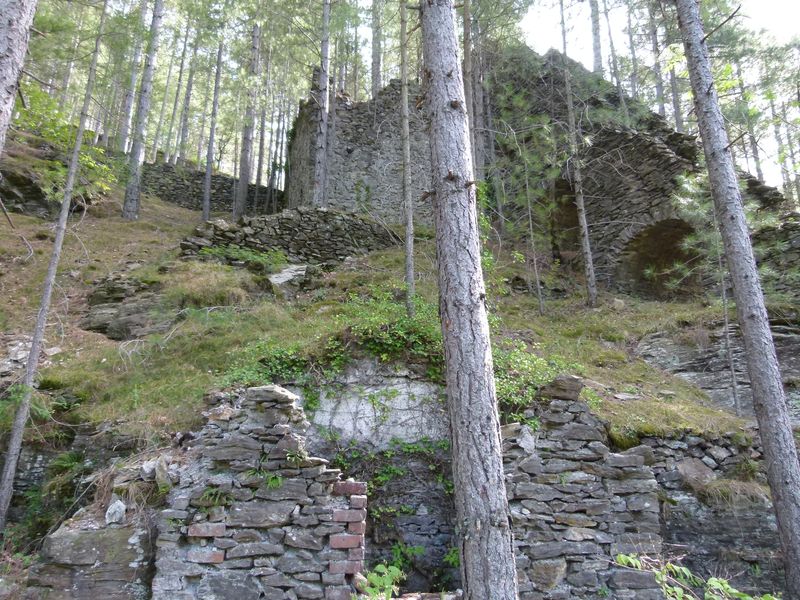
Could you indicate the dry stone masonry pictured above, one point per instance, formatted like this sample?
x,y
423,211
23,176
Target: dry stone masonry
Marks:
x,y
183,185
255,516
252,514
314,235
364,158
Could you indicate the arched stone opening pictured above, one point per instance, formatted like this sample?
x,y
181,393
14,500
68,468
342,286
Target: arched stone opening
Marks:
x,y
656,264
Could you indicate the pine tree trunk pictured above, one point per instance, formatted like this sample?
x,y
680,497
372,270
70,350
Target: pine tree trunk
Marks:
x,y
32,365
15,24
468,91
405,140
483,519
203,119
634,58
212,132
776,127
377,46
108,127
676,100
615,67
261,149
169,148
66,80
577,175
780,451
275,141
321,146
157,138
130,208
656,47
130,92
597,49
751,135
180,154
240,205
479,103
792,155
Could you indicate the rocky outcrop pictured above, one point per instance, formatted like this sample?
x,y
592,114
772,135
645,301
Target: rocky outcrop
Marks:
x,y
87,559
123,307
716,509
304,235
699,357
183,185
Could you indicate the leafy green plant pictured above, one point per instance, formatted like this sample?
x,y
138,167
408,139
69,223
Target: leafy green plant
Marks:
x,y
382,582
519,374
214,496
296,457
679,583
452,558
403,556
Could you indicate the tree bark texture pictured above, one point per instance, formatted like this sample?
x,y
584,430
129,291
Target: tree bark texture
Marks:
x,y
169,147
577,175
634,57
130,208
180,154
656,47
676,100
749,121
468,89
377,46
615,66
405,139
212,132
32,365
16,17
240,205
597,48
130,92
780,451
483,520
162,112
322,98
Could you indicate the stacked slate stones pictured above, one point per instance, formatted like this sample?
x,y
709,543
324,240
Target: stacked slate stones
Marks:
x,y
254,516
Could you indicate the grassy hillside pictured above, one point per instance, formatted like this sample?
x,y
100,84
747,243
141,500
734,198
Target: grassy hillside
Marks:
x,y
229,332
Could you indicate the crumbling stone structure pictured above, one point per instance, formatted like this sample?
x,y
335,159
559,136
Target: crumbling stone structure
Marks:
x,y
255,516
183,185
304,234
364,157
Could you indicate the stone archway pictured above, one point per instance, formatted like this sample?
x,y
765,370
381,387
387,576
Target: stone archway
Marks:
x,y
646,266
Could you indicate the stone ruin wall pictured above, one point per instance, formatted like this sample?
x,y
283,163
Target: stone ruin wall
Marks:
x,y
183,185
575,504
364,158
315,235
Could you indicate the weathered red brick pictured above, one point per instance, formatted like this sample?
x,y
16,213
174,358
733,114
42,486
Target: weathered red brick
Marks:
x,y
349,488
346,540
355,554
349,516
359,528
211,557
358,501
206,530
348,567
